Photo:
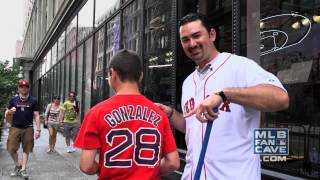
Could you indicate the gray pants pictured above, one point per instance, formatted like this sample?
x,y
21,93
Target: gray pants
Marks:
x,y
71,130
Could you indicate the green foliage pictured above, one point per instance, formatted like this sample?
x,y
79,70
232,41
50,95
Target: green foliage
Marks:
x,y
8,82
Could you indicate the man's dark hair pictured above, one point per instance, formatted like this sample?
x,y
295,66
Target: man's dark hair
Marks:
x,y
55,97
194,17
73,92
127,64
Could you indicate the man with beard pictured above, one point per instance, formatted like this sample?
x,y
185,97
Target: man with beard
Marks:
x,y
239,88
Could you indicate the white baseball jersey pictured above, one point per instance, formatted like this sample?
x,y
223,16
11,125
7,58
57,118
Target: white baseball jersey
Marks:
x,y
230,152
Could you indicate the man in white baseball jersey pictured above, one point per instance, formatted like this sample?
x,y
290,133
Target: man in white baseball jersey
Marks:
x,y
240,89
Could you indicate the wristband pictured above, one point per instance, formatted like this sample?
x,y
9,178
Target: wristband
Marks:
x,y
222,95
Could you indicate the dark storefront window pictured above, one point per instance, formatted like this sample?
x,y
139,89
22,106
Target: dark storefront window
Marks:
x,y
98,66
290,49
158,54
220,17
85,21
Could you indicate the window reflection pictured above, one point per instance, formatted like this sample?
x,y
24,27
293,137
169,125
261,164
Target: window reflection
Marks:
x,y
112,45
158,53
71,34
63,79
61,46
48,61
53,81
132,26
43,66
58,80
87,73
73,71
85,20
80,77
67,76
98,67
113,37
105,9
54,54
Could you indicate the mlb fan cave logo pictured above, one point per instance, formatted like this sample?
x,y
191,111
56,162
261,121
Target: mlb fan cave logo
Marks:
x,y
271,143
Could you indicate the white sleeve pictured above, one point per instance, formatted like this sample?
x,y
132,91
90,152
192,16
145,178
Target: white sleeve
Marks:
x,y
47,110
255,75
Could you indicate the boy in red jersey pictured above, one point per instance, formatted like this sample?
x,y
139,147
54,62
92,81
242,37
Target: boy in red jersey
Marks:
x,y
130,133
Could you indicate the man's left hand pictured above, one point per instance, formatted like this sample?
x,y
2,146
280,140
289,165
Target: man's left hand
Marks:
x,y
205,110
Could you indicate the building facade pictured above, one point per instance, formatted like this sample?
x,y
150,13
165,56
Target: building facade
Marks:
x,y
71,42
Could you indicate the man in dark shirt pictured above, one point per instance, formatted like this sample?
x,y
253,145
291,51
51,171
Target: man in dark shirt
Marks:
x,y
23,108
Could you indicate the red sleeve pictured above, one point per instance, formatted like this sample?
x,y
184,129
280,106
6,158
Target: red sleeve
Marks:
x,y
169,144
88,136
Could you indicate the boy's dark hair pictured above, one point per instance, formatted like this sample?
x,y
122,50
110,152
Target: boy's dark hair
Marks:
x,y
127,64
194,17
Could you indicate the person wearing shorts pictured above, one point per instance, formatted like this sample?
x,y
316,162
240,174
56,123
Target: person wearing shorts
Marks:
x,y
52,121
23,108
70,120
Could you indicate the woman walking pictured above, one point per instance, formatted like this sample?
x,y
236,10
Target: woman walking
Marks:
x,y
52,121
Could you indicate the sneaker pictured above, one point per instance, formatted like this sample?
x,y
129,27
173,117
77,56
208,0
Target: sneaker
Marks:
x,y
24,174
72,149
16,171
69,149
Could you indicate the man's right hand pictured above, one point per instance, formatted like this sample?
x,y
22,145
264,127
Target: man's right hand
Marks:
x,y
175,118
168,110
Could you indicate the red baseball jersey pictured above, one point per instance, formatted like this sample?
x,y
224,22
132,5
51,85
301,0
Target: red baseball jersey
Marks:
x,y
132,135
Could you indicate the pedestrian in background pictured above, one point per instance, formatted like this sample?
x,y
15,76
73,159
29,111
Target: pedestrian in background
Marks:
x,y
52,121
23,108
70,120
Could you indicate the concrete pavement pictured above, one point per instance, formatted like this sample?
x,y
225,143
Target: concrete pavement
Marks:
x,y
43,166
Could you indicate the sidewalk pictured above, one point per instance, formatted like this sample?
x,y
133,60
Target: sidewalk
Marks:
x,y
43,166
